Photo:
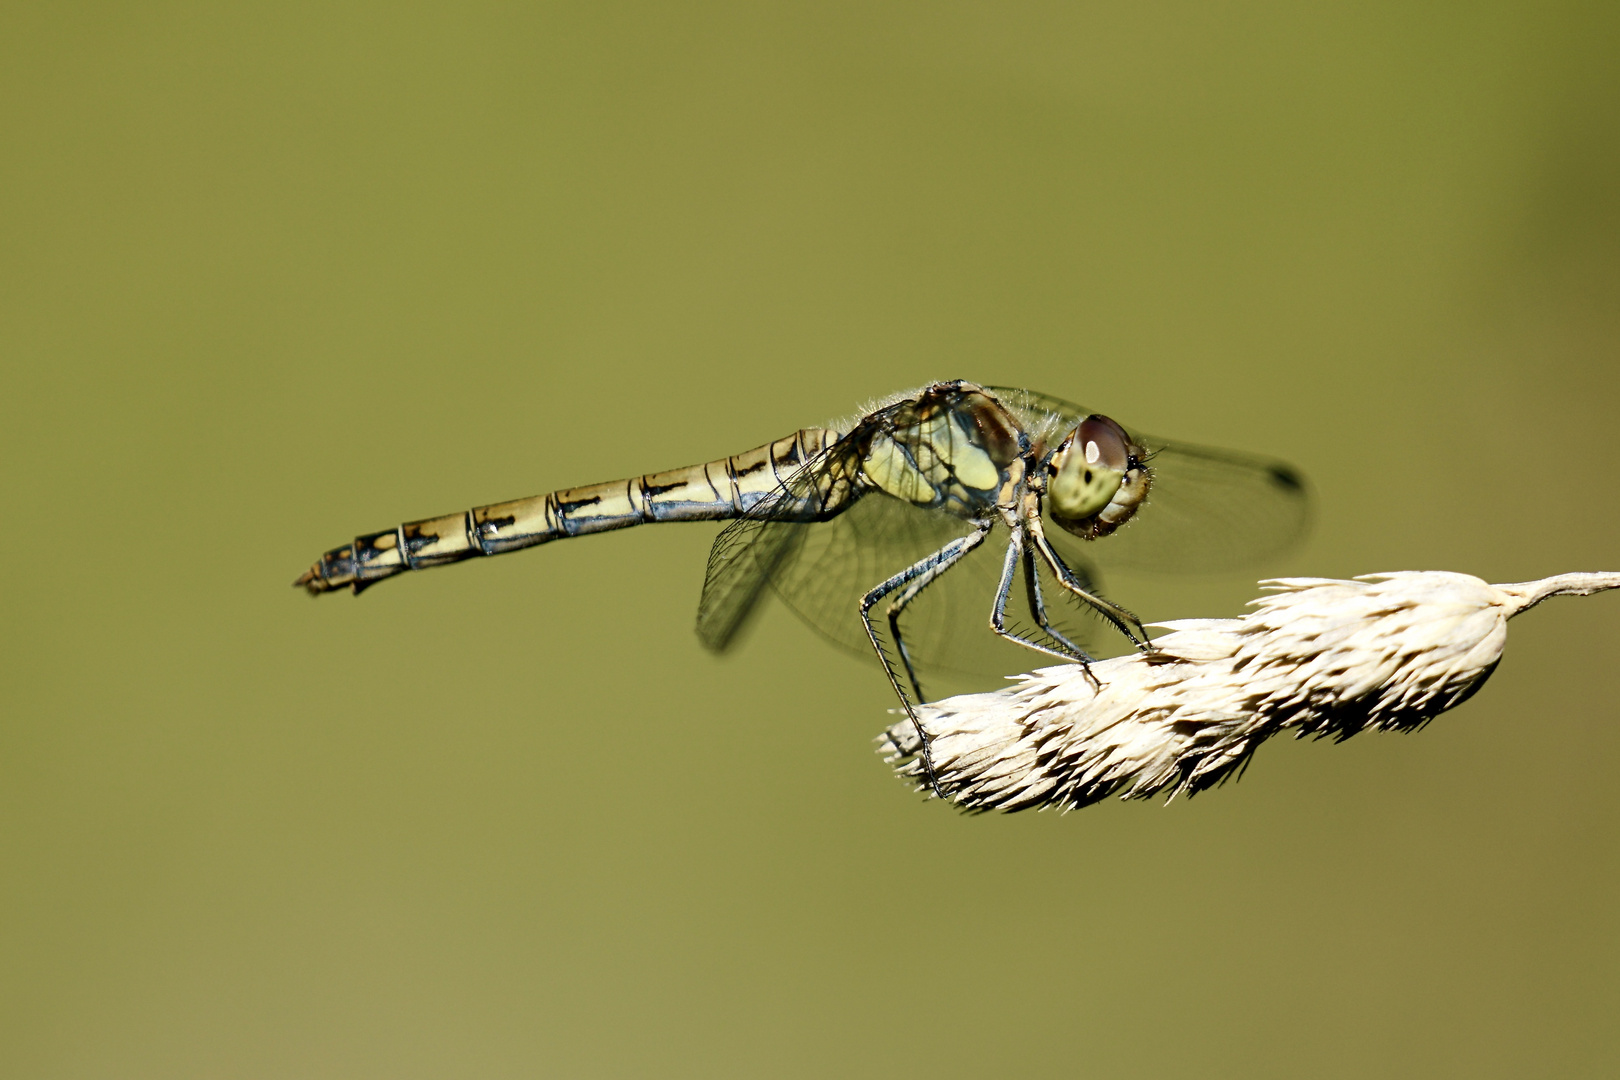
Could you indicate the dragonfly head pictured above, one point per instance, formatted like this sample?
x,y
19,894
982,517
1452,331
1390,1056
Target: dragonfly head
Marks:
x,y
1095,479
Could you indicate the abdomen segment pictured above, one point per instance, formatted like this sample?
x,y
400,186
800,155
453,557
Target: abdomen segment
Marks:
x,y
713,491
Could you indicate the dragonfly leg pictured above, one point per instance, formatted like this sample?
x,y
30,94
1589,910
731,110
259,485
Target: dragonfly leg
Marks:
x,y
931,567
1128,624
1037,605
952,553
998,613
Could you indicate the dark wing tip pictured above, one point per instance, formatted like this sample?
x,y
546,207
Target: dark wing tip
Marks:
x,y
1286,477
711,641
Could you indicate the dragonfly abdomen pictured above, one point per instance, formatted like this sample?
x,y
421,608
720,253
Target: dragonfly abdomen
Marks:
x,y
712,491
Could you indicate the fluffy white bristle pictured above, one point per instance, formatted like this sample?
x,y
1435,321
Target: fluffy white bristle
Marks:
x,y
1318,657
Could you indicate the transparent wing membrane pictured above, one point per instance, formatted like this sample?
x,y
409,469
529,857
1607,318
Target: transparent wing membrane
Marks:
x,y
744,558
822,569
760,546
1208,511
947,627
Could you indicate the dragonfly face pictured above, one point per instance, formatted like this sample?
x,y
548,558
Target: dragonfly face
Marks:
x,y
1096,478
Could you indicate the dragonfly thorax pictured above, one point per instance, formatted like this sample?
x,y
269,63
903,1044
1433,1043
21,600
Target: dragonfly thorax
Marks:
x,y
948,449
1095,478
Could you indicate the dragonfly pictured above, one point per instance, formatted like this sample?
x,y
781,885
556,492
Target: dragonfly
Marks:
x,y
892,506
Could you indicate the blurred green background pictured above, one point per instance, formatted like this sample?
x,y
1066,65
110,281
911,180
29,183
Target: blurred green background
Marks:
x,y
277,274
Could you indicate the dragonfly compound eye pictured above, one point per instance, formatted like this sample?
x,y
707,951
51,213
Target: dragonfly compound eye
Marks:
x,y
1095,482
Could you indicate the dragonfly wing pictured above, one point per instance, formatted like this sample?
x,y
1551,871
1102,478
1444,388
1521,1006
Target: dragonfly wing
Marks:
x,y
1040,414
841,560
1210,511
822,569
744,556
947,626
